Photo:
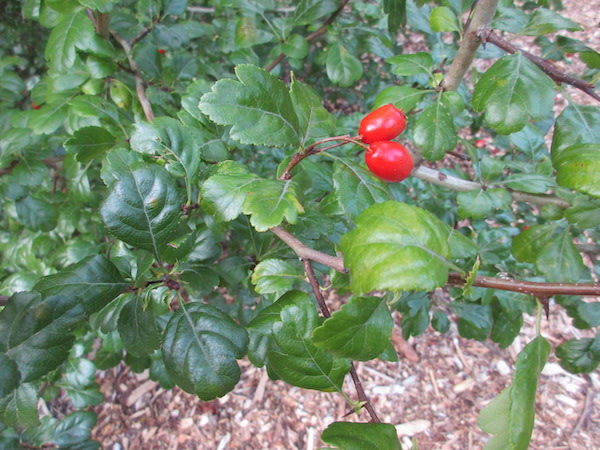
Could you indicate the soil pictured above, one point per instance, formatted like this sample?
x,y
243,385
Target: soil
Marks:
x,y
433,394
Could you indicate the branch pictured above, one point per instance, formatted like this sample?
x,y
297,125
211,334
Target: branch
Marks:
x,y
483,14
487,35
311,36
306,253
529,287
316,288
53,163
144,33
458,184
137,75
4,300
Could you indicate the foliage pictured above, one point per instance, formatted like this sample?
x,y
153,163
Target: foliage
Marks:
x,y
161,158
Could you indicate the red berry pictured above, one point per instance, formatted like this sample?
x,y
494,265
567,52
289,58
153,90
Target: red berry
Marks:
x,y
162,51
480,143
389,160
569,55
383,124
35,106
526,227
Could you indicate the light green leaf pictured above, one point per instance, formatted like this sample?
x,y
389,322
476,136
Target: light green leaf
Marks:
x,y
511,91
560,260
361,436
73,31
396,11
578,167
90,142
138,328
443,18
403,97
275,275
258,107
392,245
579,355
544,21
310,11
200,348
102,6
478,204
37,214
576,125
361,329
343,68
19,408
296,46
314,121
270,202
51,116
434,131
143,208
412,64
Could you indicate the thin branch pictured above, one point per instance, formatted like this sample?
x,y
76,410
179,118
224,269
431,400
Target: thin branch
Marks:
x,y
137,75
53,162
311,36
529,287
4,300
458,184
487,35
483,14
316,288
306,253
144,33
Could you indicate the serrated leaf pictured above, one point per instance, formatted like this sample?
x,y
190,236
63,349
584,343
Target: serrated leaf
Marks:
x,y
544,21
528,244
579,355
143,208
74,428
434,131
577,168
390,247
443,18
72,32
361,436
474,321
343,68
270,202
223,193
440,321
36,333
297,361
88,143
36,214
19,408
560,260
314,120
51,116
200,348
309,11
94,281
402,97
138,328
577,124
396,11
360,330
9,373
357,188
412,64
511,91
275,275
258,107
506,327
414,307
479,203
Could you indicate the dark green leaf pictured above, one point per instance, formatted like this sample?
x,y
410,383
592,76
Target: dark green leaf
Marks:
x,y
201,344
529,243
275,275
75,428
415,313
73,31
36,214
543,21
440,321
9,373
361,436
396,11
434,131
359,330
19,408
343,68
559,260
474,321
270,202
579,355
310,11
296,46
106,319
138,328
391,245
90,142
314,120
506,327
577,168
479,203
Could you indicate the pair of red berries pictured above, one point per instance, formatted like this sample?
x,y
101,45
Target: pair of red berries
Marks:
x,y
388,160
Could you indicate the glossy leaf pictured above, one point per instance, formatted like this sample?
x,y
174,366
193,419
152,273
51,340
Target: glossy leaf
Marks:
x,y
360,330
9,373
143,208
74,428
512,91
37,214
314,120
258,107
434,131
412,64
270,202
578,167
443,18
579,355
361,436
343,68
474,321
390,247
200,348
275,275
402,97
138,328
73,31
19,408
90,142
309,11
478,204
414,307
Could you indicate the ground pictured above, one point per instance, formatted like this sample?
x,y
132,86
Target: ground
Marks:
x,y
433,394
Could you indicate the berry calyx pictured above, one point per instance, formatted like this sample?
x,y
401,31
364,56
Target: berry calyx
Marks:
x,y
383,124
389,160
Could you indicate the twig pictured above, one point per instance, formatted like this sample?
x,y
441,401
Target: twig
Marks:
x,y
137,75
529,287
306,253
316,288
487,35
144,33
311,36
458,184
4,300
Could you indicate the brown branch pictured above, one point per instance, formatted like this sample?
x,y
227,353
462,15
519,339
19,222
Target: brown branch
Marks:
x,y
316,288
53,162
144,33
311,36
306,253
529,287
103,25
4,300
487,35
137,75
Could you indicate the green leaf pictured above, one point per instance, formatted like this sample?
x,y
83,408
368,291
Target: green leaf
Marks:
x,y
577,124
19,409
474,321
478,204
579,355
94,281
434,131
440,321
543,21
308,12
361,329
314,120
36,214
75,428
9,372
102,6
275,275
577,168
511,91
296,46
36,333
560,260
270,202
201,344
223,193
248,33
51,116
297,361
72,32
258,107
443,18
415,313
412,64
138,328
396,11
529,243
343,68
143,208
361,436
405,98
90,142
390,247
357,188
506,327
